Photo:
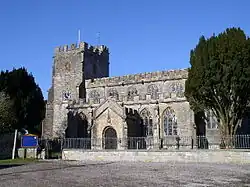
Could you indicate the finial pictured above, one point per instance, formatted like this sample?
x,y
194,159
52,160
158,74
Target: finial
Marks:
x,y
79,37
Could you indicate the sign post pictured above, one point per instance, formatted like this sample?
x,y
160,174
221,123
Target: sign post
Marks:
x,y
14,145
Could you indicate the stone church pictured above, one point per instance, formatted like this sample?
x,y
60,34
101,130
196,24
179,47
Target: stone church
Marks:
x,y
84,102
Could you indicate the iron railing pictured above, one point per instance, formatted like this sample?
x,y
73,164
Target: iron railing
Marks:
x,y
139,142
241,141
177,142
77,143
169,142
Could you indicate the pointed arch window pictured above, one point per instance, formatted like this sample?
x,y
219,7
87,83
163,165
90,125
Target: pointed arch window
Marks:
x,y
153,91
113,93
95,96
170,122
132,92
147,123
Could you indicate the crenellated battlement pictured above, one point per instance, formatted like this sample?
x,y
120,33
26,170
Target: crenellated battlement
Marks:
x,y
141,77
82,46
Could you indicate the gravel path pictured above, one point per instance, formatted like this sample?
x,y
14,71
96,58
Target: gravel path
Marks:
x,y
93,174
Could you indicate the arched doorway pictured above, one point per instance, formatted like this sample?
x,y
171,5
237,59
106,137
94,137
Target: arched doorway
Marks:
x,y
109,138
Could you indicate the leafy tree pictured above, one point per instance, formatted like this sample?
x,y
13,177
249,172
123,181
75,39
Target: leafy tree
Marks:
x,y
29,105
219,78
7,114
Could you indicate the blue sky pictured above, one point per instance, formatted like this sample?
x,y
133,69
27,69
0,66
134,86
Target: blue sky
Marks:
x,y
143,35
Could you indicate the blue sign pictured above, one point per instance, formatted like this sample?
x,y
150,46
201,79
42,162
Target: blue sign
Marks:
x,y
29,141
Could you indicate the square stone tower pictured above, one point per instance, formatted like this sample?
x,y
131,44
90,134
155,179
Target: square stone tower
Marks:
x,y
71,67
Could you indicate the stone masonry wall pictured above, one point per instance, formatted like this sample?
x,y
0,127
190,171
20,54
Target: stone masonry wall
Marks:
x,y
146,91
66,80
136,78
212,156
72,66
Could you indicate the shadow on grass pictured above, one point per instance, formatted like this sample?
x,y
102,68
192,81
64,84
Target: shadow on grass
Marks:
x,y
9,163
55,168
4,166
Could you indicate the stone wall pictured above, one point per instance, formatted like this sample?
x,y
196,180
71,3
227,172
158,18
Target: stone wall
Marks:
x,y
210,156
140,77
146,91
71,67
165,86
6,145
95,58
155,93
47,124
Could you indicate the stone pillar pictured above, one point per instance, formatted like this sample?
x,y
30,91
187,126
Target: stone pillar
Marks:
x,y
194,137
96,143
156,128
93,143
124,140
156,138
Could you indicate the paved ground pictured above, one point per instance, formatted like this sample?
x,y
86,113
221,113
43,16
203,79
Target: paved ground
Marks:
x,y
93,174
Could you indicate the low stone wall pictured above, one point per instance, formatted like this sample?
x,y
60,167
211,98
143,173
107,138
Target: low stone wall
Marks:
x,y
212,156
27,153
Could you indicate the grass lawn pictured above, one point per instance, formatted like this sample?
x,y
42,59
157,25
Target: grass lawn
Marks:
x,y
18,161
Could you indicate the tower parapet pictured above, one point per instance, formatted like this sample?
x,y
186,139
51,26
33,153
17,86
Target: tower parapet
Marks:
x,y
82,46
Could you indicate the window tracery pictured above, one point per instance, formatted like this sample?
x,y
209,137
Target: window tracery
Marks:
x,y
132,92
147,122
153,91
178,89
170,122
95,96
113,93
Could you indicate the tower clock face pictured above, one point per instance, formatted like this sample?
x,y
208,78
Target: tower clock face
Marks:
x,y
66,95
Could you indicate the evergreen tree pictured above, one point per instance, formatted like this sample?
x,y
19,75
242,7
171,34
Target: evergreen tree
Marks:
x,y
7,114
219,78
29,105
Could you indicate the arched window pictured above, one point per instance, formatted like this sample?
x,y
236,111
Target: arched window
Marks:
x,y
132,92
147,123
170,122
178,89
95,96
113,93
153,91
